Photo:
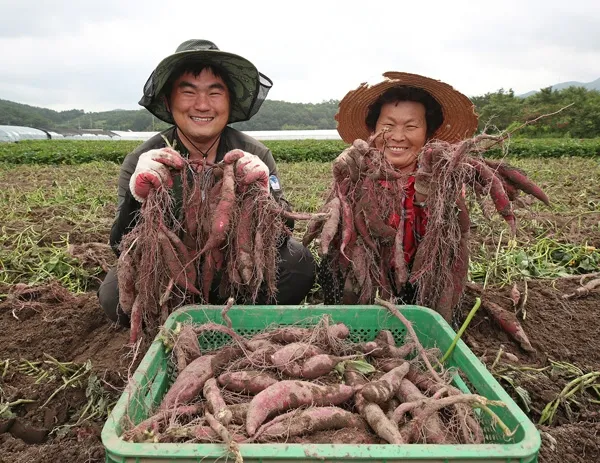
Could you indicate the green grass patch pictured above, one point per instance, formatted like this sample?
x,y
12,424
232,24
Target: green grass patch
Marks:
x,y
45,209
61,152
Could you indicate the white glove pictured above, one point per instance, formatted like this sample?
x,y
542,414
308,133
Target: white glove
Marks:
x,y
250,169
152,171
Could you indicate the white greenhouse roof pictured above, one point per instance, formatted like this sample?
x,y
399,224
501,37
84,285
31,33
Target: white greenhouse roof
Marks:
x,y
17,133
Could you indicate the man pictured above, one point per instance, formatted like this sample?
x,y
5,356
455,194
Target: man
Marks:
x,y
200,89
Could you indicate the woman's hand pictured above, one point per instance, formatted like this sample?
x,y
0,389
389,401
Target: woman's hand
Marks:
x,y
350,163
423,175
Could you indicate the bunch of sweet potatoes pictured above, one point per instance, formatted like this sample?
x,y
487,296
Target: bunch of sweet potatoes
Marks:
x,y
308,384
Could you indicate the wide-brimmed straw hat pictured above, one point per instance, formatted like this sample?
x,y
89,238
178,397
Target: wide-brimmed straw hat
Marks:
x,y
249,86
460,119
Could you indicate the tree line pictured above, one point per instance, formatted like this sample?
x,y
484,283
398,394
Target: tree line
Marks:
x,y
500,110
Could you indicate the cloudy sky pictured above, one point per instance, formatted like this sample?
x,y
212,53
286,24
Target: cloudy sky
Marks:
x,y
96,55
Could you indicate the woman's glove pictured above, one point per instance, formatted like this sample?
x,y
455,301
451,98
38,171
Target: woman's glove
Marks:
x,y
423,174
153,171
351,162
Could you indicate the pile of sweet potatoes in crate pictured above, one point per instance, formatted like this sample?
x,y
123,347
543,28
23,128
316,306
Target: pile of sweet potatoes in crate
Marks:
x,y
309,384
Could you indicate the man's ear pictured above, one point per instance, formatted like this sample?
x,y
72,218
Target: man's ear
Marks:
x,y
166,100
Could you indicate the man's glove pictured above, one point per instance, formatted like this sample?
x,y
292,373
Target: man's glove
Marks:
x,y
351,162
152,171
250,169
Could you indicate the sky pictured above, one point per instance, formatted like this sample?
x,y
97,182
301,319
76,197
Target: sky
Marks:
x,y
97,55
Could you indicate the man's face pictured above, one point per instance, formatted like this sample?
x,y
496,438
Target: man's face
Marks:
x,y
406,135
200,106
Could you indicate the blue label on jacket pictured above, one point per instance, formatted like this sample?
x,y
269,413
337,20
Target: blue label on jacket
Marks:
x,y
274,181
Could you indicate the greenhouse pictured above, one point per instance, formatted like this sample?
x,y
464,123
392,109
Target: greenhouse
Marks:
x,y
18,133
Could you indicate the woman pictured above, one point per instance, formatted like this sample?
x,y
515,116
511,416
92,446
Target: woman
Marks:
x,y
381,190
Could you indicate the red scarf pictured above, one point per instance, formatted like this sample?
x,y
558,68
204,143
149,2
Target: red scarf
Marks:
x,y
415,220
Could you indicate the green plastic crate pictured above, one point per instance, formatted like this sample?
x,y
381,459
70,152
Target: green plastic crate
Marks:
x,y
155,374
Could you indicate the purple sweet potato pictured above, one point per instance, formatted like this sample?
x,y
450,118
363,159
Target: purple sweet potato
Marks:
x,y
189,383
292,394
249,381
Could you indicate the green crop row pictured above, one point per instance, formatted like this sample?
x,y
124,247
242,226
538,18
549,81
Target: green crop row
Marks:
x,y
58,152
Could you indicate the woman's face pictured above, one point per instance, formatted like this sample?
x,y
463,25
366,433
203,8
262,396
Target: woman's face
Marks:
x,y
406,133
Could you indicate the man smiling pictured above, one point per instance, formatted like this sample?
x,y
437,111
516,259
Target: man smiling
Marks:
x,y
200,90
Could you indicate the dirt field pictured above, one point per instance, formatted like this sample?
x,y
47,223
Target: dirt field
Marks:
x,y
52,330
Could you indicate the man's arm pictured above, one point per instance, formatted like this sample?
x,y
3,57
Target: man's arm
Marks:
x,y
127,206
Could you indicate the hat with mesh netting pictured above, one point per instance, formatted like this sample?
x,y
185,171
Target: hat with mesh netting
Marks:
x,y
248,86
460,119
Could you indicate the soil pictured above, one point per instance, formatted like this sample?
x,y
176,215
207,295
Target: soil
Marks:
x,y
48,322
48,334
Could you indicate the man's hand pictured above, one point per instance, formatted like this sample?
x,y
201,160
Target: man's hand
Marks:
x,y
351,162
152,171
250,169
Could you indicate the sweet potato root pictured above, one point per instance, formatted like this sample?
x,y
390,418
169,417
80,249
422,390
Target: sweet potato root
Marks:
x,y
214,400
433,428
386,387
313,419
189,383
509,323
292,394
248,381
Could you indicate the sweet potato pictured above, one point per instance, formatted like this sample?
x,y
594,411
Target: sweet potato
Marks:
x,y
470,429
221,219
285,335
348,231
313,229
381,424
518,179
136,320
433,427
189,383
182,273
376,224
372,413
360,265
399,263
245,260
313,419
186,348
152,424
497,192
248,381
509,323
385,340
321,365
330,228
386,387
224,356
292,334
292,394
362,229
214,400
294,352
126,276
455,286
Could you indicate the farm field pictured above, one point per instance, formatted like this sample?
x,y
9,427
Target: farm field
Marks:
x,y
63,365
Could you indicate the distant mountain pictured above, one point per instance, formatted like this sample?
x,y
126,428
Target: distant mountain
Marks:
x,y
595,85
274,115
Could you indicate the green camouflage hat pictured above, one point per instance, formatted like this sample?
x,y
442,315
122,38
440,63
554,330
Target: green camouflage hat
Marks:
x,y
249,87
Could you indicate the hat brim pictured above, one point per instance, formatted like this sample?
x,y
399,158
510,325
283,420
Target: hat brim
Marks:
x,y
460,119
243,76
